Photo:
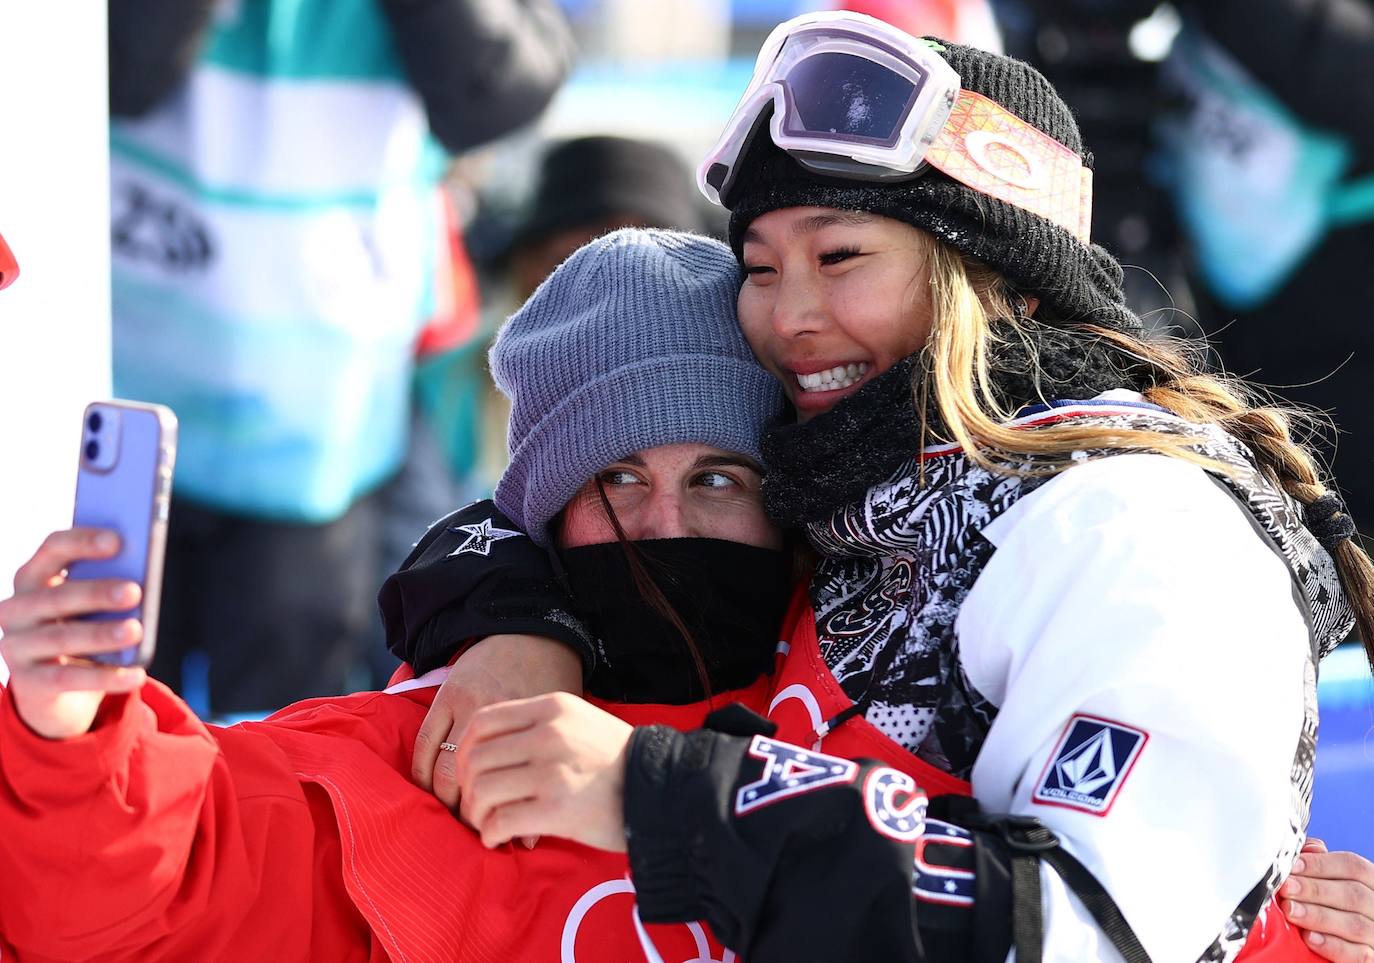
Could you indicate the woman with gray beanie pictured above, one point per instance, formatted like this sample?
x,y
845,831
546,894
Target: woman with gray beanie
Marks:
x,y
638,417
1062,568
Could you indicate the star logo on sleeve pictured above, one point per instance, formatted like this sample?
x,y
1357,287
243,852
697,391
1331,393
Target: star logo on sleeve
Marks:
x,y
480,538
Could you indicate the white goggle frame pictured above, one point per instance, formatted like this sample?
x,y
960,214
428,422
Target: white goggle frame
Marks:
x,y
963,134
898,156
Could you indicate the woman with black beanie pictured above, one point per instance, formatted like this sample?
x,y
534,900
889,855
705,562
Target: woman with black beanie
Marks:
x,y
1061,567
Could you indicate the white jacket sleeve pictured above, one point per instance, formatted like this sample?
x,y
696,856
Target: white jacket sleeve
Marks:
x,y
1152,669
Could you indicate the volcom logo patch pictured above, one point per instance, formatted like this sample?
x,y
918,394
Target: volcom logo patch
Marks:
x,y
1090,764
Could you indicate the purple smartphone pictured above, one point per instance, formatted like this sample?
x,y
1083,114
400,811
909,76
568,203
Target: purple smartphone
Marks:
x,y
125,483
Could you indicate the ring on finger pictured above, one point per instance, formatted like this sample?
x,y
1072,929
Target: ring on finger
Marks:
x,y
448,747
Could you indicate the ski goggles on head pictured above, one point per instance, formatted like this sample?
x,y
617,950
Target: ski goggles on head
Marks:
x,y
852,97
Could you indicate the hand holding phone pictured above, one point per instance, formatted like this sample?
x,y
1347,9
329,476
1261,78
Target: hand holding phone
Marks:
x,y
47,643
124,484
89,595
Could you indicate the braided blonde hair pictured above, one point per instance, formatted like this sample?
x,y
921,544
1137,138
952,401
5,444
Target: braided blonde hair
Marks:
x,y
968,296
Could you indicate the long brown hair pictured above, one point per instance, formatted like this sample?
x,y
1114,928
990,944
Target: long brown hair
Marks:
x,y
968,296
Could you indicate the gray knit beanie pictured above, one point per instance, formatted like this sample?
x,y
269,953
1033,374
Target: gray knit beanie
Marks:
x,y
632,343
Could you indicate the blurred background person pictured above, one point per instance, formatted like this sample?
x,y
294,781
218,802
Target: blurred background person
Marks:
x,y
1268,151
1235,170
277,232
583,187
1104,57
442,467
589,186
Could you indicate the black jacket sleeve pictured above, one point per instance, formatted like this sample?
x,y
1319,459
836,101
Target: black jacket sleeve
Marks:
x,y
1317,56
799,875
788,854
152,45
482,67
475,574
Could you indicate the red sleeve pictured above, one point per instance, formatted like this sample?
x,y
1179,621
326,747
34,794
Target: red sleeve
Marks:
x,y
153,837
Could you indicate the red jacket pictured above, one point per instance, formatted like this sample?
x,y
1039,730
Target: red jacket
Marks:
x,y
156,837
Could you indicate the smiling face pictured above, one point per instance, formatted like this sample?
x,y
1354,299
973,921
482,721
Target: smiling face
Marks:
x,y
832,299
673,491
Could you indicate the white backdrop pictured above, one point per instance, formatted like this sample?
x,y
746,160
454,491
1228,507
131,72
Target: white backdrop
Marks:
x,y
54,212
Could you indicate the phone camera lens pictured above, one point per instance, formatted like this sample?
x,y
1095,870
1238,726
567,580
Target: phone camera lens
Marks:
x,y
92,450
94,421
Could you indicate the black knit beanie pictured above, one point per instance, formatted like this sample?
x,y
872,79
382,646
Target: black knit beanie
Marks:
x,y
1075,282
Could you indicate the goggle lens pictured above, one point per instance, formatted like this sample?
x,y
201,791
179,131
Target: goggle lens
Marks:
x,y
853,97
846,96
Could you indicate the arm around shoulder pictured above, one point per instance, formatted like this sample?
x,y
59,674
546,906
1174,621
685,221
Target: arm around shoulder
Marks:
x,y
475,574
782,868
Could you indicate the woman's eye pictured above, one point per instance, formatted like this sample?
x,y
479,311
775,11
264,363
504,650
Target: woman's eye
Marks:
x,y
619,476
757,270
715,479
838,255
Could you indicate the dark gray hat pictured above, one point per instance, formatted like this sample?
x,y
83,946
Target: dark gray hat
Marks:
x,y
630,344
588,179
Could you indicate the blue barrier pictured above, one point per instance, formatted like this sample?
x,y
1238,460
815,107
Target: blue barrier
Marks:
x,y
1343,790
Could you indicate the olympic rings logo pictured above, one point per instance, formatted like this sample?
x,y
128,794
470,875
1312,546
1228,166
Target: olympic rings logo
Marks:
x,y
616,887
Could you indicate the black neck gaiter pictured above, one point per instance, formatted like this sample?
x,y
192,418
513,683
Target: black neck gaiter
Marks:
x,y
731,597
816,467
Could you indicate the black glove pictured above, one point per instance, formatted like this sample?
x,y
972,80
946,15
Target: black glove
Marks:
x,y
790,854
475,574
798,874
